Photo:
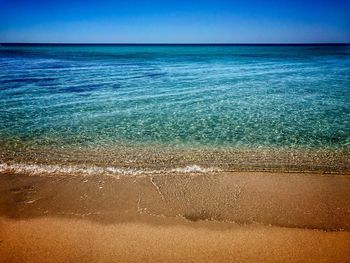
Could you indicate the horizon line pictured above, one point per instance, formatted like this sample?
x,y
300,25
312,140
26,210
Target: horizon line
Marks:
x,y
175,43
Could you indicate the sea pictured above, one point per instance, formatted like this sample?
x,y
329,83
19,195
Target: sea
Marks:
x,y
151,109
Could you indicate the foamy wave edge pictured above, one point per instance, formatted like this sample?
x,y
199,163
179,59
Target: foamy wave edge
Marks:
x,y
44,169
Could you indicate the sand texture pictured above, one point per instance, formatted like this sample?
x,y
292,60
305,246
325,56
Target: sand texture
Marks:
x,y
203,217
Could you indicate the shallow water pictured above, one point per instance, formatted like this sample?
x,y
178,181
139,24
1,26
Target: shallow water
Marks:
x,y
240,107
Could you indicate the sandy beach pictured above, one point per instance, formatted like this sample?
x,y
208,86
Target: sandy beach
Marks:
x,y
189,217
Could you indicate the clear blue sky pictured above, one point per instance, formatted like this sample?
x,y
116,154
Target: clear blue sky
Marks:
x,y
181,21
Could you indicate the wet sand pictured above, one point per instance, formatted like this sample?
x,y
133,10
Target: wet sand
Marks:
x,y
199,217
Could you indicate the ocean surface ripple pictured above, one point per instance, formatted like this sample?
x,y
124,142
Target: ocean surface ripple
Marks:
x,y
206,97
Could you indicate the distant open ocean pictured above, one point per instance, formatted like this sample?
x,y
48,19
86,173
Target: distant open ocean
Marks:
x,y
133,109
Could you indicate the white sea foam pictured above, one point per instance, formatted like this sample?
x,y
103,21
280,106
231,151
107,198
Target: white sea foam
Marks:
x,y
44,169
193,169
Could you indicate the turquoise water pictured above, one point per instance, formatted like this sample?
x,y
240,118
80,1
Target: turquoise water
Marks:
x,y
232,97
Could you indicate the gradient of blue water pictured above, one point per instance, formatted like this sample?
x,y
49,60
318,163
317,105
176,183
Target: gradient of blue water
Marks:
x,y
232,96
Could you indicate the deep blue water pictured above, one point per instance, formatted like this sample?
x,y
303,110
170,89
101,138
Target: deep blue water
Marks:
x,y
217,96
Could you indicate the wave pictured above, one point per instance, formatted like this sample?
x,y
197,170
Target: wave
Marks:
x,y
193,169
46,169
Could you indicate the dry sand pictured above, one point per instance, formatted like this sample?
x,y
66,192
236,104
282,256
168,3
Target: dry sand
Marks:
x,y
213,217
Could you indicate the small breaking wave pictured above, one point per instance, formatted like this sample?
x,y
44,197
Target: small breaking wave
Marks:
x,y
45,169
193,169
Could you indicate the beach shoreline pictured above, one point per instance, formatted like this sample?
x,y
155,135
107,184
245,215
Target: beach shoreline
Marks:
x,y
244,216
164,158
